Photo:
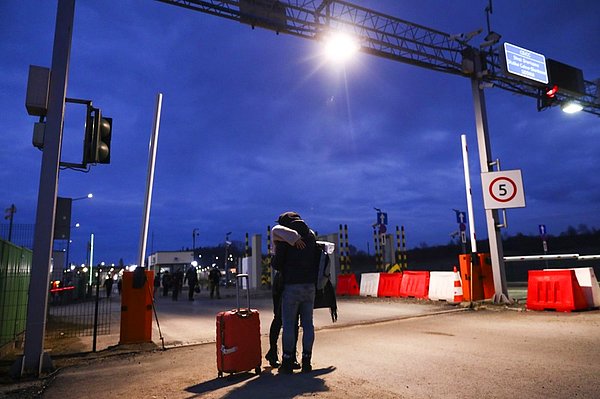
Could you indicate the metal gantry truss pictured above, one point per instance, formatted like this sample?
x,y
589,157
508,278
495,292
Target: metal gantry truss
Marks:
x,y
384,36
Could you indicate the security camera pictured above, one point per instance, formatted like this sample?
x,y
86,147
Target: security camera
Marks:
x,y
465,37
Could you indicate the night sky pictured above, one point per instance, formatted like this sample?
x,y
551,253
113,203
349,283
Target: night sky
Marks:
x,y
255,124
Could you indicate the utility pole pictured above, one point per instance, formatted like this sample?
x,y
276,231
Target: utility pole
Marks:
x,y
34,359
486,162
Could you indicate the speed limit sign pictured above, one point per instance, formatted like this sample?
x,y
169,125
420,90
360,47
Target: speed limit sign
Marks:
x,y
503,189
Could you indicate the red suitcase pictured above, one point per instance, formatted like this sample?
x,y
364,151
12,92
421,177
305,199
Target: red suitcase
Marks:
x,y
238,337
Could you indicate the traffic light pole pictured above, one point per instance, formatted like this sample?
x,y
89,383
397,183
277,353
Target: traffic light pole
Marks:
x,y
34,359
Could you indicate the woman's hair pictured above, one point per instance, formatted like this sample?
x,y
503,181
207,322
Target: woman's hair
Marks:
x,y
300,226
286,219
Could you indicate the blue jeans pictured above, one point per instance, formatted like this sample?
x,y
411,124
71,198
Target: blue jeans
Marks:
x,y
298,299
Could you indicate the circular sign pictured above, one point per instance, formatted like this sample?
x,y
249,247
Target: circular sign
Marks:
x,y
462,226
503,189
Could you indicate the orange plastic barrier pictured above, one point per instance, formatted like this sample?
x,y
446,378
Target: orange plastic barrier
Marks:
x,y
482,278
136,310
554,290
415,284
389,284
487,275
347,285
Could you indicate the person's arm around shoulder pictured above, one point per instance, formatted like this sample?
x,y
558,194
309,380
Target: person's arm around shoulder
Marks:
x,y
291,236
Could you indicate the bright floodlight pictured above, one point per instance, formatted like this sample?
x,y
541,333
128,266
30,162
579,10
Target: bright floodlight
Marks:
x,y
339,47
90,195
571,107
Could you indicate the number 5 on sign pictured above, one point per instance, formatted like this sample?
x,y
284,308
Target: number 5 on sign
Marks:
x,y
503,189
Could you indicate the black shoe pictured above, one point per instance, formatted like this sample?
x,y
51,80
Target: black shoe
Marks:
x,y
296,365
287,366
306,366
272,359
286,369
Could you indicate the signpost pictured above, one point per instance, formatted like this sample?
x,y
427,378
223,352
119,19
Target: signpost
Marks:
x,y
525,63
382,218
503,189
461,219
544,242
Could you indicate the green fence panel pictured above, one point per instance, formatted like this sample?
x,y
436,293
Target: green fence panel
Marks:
x,y
15,272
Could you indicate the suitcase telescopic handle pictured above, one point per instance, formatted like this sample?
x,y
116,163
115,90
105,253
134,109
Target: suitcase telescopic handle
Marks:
x,y
239,279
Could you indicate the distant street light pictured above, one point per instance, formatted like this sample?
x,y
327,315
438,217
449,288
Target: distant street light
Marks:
x,y
89,196
571,107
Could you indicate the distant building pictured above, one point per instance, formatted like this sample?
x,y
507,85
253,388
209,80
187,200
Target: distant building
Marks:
x,y
170,260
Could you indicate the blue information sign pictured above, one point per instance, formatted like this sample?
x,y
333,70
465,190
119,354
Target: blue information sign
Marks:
x,y
542,230
461,217
525,63
382,218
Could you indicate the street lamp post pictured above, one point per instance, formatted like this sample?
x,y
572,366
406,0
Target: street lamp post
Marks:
x,y
227,243
89,196
195,233
69,245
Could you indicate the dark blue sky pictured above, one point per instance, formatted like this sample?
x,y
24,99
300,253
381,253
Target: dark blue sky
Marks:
x,y
256,123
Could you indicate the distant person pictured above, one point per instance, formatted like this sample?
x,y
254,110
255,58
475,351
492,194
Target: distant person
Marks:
x,y
108,284
156,283
214,278
166,282
176,283
192,279
299,271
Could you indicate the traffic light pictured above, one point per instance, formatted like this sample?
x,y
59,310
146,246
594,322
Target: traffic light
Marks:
x,y
547,97
98,134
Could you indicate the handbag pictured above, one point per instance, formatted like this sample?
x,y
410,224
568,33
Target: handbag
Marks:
x,y
325,298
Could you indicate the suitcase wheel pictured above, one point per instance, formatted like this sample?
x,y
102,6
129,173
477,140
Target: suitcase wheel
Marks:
x,y
220,374
257,370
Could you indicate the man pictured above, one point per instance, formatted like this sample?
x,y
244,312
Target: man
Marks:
x,y
280,232
108,284
192,279
214,278
299,271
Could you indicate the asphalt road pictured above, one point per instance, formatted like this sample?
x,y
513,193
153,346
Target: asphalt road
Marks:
x,y
426,352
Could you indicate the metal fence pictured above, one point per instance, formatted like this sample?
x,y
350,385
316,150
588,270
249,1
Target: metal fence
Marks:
x,y
75,308
20,234
73,315
15,270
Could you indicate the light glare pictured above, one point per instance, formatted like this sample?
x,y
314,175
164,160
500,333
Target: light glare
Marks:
x,y
340,47
571,107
